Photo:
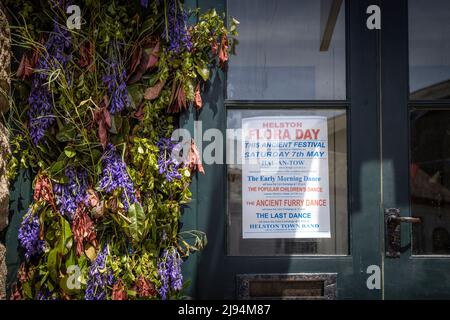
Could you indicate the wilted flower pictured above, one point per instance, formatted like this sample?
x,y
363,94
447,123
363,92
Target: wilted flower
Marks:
x,y
119,291
115,176
29,236
83,230
145,288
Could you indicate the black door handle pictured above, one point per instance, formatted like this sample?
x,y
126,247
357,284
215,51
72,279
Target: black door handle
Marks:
x,y
392,221
405,219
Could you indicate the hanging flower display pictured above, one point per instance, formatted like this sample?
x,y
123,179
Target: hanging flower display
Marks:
x,y
93,114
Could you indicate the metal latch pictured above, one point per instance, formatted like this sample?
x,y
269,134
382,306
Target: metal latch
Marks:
x,y
392,221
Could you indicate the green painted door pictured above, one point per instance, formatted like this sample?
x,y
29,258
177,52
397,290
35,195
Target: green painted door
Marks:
x,y
339,82
415,151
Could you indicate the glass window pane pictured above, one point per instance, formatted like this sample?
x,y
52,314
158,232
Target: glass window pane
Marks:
x,y
288,50
273,199
429,49
430,181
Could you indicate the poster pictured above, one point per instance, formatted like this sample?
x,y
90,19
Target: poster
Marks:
x,y
285,191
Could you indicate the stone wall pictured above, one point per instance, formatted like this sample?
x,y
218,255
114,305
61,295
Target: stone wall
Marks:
x,y
5,61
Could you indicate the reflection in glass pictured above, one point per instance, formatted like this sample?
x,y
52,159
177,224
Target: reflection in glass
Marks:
x,y
430,181
429,49
337,150
288,50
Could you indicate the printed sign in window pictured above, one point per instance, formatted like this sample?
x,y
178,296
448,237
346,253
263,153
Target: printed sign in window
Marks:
x,y
285,181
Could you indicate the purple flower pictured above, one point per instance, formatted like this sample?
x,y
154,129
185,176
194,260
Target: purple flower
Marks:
x,y
169,270
29,235
167,162
99,278
45,294
56,55
117,88
69,196
144,3
176,33
115,176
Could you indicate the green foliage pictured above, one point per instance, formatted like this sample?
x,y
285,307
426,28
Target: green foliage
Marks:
x,y
118,31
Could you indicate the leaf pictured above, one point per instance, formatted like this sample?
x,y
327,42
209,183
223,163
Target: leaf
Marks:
x,y
57,167
214,47
136,93
195,163
137,226
154,92
146,58
26,290
153,59
223,54
178,100
63,285
69,151
25,69
203,71
103,119
87,53
66,236
90,252
52,264
67,133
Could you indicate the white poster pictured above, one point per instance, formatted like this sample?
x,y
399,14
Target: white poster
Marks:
x,y
285,192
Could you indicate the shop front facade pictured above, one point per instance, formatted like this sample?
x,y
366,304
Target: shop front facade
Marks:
x,y
352,99
376,74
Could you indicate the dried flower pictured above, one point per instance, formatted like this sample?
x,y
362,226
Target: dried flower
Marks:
x,y
103,119
83,230
145,288
87,53
16,295
43,191
119,291
194,161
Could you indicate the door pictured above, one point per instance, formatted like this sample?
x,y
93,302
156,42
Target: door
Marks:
x,y
415,77
303,61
